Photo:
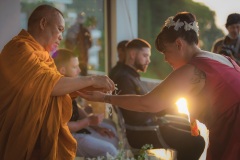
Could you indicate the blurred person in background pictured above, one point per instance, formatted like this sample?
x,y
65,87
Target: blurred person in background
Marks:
x,y
229,45
93,140
121,53
79,40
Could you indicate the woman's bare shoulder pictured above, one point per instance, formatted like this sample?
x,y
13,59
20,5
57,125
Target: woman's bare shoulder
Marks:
x,y
184,80
189,73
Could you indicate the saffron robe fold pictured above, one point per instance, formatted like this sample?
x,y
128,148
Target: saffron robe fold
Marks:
x,y
32,122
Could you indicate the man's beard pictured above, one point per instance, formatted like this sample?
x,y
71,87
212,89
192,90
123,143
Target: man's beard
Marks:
x,y
140,67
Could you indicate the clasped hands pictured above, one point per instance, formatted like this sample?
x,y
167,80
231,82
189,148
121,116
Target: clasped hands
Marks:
x,y
95,120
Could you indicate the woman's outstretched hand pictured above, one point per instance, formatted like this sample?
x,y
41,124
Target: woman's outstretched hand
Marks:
x,y
95,96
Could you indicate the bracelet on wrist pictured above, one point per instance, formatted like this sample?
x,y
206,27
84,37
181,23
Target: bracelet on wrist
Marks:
x,y
106,98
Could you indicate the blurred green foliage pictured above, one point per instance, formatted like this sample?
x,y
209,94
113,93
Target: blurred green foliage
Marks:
x,y
151,17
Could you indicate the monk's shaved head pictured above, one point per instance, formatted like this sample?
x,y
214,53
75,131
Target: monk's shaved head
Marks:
x,y
40,12
46,25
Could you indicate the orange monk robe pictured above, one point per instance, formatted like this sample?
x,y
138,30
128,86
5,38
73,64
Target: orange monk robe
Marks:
x,y
29,115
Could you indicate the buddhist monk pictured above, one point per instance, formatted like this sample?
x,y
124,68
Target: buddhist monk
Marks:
x,y
35,105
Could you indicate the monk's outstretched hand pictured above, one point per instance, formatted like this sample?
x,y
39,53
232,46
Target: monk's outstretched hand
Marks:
x,y
100,83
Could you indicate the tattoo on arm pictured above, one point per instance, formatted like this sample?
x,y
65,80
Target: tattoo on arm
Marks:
x,y
198,76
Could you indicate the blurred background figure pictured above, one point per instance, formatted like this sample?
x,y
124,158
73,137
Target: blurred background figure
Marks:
x,y
229,45
78,39
121,52
96,34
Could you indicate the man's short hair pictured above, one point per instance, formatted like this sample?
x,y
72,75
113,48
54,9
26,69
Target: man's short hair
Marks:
x,y
122,44
137,44
62,56
233,18
40,12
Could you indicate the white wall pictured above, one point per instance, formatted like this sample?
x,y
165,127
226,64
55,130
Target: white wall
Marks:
x,y
10,20
127,19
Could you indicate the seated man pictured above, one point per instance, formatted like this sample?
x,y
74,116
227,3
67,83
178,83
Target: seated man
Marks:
x,y
92,140
128,81
121,52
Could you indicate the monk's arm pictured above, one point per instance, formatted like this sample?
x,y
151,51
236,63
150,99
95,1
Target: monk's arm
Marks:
x,y
67,85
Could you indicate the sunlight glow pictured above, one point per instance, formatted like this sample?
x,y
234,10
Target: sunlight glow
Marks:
x,y
182,106
222,8
165,154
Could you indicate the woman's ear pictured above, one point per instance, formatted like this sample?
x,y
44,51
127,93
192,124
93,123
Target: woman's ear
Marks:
x,y
179,43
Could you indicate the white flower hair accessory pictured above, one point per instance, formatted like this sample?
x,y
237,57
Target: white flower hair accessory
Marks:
x,y
187,26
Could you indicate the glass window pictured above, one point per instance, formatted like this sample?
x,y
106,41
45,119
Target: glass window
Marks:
x,y
150,19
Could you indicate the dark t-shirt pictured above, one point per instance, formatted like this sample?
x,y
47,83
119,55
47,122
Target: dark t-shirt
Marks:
x,y
76,116
128,82
115,69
